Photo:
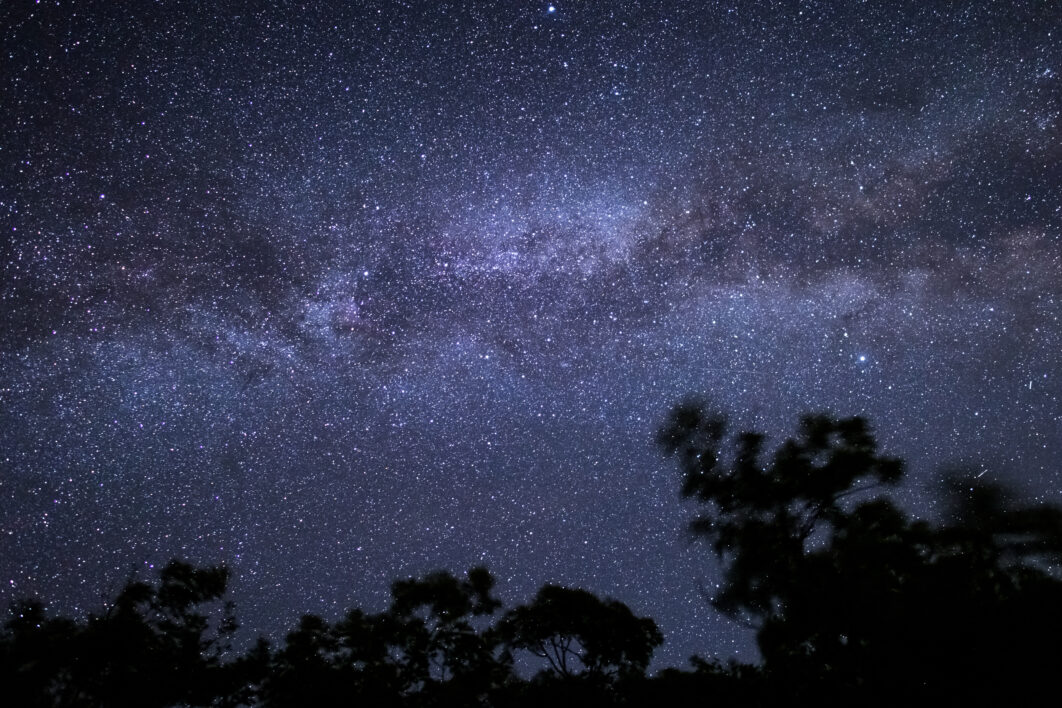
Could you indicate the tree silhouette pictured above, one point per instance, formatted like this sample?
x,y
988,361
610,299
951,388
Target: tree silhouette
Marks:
x,y
853,600
151,647
36,654
442,655
425,650
576,632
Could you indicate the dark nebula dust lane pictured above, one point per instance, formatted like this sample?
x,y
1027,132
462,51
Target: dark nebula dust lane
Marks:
x,y
338,292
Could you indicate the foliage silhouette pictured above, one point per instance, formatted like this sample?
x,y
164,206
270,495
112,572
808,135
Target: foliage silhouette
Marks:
x,y
576,632
423,651
151,647
853,601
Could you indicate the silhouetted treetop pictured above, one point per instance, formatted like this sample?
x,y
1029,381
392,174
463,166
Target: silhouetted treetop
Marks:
x,y
759,513
152,646
445,597
575,631
853,600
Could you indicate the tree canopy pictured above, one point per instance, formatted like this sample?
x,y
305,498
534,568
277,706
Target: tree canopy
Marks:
x,y
576,633
854,601
851,597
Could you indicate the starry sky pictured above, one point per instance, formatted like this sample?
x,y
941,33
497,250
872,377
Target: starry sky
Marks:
x,y
338,292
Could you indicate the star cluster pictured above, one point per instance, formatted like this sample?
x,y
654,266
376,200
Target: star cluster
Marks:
x,y
337,292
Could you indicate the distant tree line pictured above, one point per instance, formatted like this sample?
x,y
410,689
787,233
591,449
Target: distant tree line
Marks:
x,y
442,642
854,602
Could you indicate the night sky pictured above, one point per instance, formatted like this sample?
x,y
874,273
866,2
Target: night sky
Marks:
x,y
340,292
